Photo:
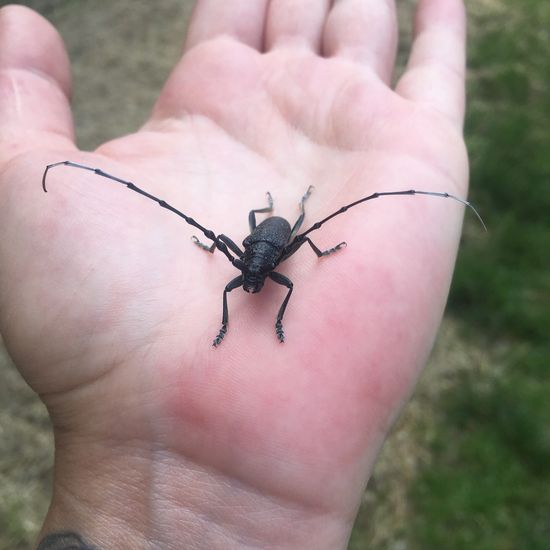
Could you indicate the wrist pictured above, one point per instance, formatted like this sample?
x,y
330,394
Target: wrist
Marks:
x,y
98,494
137,496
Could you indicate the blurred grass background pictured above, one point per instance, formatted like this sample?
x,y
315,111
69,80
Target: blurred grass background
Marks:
x,y
468,463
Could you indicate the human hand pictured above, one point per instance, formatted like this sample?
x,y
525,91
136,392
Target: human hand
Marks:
x,y
109,310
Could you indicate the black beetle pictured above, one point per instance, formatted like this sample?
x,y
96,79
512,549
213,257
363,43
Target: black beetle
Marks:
x,y
271,242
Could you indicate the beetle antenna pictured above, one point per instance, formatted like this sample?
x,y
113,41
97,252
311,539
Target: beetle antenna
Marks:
x,y
317,225
462,201
133,187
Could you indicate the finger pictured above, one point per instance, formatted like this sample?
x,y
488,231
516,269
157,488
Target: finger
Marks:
x,y
296,23
364,31
241,19
34,83
435,73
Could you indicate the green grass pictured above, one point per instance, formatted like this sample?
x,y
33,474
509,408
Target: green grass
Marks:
x,y
502,283
488,484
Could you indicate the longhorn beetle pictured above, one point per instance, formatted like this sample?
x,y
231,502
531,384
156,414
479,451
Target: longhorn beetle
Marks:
x,y
270,243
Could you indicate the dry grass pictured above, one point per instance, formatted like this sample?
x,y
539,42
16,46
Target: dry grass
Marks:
x,y
26,458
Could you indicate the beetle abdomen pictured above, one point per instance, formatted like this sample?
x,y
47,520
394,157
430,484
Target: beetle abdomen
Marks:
x,y
275,231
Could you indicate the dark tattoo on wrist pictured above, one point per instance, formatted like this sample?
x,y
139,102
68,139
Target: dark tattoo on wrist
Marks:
x,y
64,541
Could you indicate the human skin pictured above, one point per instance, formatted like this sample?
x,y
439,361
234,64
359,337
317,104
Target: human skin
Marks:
x,y
109,311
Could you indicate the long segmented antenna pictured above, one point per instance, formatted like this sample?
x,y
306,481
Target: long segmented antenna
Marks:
x,y
317,225
133,187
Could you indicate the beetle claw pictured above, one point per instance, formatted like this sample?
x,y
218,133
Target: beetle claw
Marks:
x,y
280,332
218,340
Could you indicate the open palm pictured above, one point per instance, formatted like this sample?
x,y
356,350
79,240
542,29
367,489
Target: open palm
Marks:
x,y
109,310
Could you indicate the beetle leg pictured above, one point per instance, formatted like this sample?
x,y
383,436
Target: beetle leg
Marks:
x,y
302,215
321,253
294,246
225,239
252,213
232,285
200,244
231,245
285,281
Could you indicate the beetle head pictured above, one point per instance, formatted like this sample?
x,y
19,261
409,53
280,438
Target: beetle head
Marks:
x,y
254,279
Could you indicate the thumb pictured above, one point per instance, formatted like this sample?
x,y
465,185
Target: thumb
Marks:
x,y
35,85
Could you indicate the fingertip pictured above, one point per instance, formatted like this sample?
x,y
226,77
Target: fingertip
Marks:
x,y
435,73
30,42
35,84
364,31
450,14
242,20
